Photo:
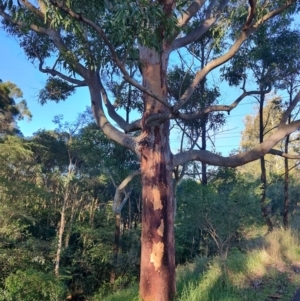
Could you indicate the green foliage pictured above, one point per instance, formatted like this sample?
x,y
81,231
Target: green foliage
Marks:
x,y
31,197
267,52
34,183
10,111
258,268
210,218
131,20
32,285
275,193
55,89
126,96
14,149
129,294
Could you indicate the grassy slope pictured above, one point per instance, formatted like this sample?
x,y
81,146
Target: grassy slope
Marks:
x,y
262,268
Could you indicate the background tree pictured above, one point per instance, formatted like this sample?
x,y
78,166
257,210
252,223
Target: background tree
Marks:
x,y
56,207
267,69
291,84
211,218
10,111
276,166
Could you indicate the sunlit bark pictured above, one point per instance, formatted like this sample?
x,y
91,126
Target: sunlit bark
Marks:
x,y
157,280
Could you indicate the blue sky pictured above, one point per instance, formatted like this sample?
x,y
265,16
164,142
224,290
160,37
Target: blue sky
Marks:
x,y
15,67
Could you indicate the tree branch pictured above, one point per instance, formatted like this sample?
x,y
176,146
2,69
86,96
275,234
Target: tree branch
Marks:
x,y
35,10
203,28
160,118
53,72
283,154
60,45
32,26
81,18
239,159
108,129
190,12
125,126
118,204
252,11
52,34
229,54
291,107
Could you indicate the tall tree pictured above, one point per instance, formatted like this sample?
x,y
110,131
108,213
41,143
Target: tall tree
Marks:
x,y
291,84
96,38
257,128
267,52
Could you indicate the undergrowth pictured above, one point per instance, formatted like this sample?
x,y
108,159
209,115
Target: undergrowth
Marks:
x,y
261,267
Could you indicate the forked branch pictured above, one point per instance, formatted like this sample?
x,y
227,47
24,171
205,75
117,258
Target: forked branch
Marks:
x,y
125,126
160,118
241,158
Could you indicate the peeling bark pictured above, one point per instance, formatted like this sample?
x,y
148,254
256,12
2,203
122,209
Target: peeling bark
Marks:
x,y
157,281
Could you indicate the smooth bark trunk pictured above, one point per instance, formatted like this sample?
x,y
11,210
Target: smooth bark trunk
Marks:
x,y
157,279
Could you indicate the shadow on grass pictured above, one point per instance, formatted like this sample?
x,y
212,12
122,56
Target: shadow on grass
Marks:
x,y
224,281
260,269
128,294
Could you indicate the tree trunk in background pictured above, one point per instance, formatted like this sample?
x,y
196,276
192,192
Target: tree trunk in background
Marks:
x,y
157,280
204,118
92,209
69,230
263,200
113,274
60,235
263,178
286,186
74,208
203,138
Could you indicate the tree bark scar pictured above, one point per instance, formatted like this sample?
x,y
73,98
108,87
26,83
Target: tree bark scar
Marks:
x,y
157,281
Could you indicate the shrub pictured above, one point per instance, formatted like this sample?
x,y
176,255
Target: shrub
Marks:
x,y
32,285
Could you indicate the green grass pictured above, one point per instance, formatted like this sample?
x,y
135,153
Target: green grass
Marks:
x,y
259,270
129,294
